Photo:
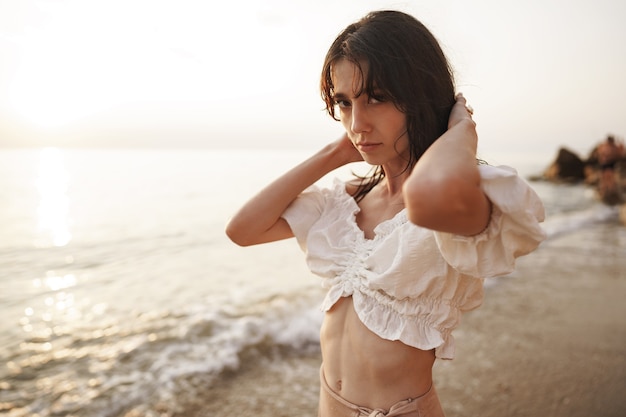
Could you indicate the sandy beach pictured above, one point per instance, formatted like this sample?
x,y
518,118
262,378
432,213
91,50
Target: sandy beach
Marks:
x,y
550,340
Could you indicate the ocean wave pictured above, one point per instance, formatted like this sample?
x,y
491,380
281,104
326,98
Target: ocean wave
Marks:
x,y
567,222
149,358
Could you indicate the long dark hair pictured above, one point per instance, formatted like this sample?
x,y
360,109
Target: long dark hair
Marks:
x,y
404,61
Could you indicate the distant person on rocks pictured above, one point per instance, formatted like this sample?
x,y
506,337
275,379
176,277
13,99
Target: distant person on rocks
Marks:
x,y
609,152
403,250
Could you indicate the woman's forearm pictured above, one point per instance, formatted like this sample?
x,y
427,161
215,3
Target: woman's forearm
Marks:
x,y
259,220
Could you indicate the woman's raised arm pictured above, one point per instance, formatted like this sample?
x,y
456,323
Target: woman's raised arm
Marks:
x,y
259,221
444,190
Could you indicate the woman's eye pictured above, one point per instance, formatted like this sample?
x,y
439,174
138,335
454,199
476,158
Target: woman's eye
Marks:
x,y
342,104
375,99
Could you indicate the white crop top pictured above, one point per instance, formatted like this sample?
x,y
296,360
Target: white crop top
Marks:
x,y
409,283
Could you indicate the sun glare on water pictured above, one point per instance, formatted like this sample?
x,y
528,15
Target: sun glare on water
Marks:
x,y
53,210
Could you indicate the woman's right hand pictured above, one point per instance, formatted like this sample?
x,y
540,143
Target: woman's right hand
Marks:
x,y
347,150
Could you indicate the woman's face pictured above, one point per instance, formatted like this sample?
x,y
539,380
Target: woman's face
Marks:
x,y
375,126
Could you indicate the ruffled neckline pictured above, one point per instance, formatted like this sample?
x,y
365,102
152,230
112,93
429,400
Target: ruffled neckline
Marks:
x,y
383,228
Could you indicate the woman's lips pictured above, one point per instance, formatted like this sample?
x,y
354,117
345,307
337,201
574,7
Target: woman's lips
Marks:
x,y
367,147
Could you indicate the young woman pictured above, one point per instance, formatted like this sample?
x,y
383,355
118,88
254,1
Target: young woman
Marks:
x,y
403,251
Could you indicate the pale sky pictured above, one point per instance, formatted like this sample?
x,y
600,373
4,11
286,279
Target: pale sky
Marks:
x,y
196,73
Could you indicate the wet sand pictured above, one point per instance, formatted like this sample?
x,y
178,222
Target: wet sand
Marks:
x,y
550,340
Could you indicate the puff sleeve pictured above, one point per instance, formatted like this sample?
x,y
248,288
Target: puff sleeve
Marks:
x,y
513,228
303,212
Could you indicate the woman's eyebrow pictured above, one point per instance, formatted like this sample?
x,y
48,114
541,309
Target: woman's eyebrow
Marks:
x,y
340,96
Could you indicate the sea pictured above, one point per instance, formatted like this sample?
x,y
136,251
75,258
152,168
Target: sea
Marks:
x,y
120,293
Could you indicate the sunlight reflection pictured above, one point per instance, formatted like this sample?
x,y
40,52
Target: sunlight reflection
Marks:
x,y
55,282
52,184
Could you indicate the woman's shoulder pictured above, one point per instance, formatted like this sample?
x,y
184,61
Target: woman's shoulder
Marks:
x,y
351,186
337,193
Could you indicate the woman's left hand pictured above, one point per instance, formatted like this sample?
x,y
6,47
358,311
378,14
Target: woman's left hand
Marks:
x,y
460,111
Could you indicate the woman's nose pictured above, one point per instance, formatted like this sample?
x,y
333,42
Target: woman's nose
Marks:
x,y
360,119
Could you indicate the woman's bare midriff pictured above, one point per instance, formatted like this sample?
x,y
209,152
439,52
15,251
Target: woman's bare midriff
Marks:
x,y
367,370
